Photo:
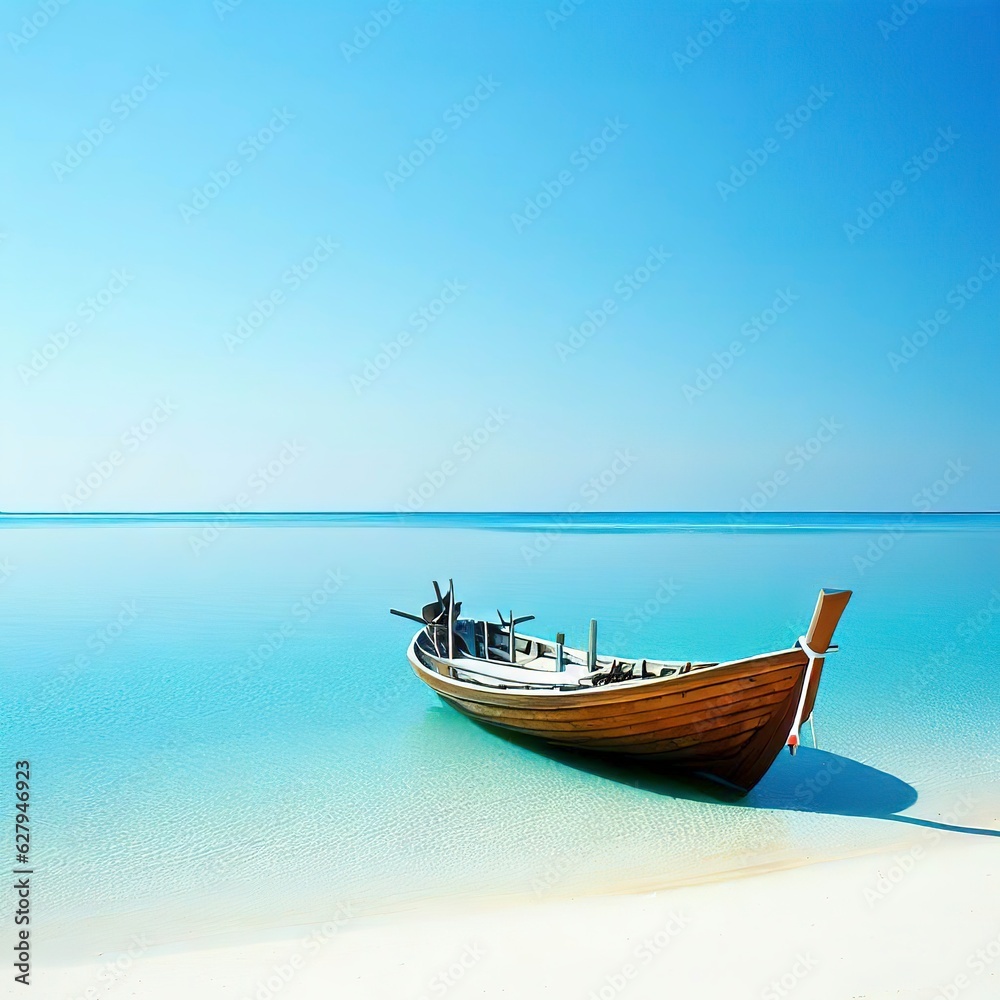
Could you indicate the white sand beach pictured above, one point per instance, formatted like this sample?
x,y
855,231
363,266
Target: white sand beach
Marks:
x,y
917,923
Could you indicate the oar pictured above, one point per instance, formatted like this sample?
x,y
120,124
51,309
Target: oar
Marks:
x,y
428,626
406,614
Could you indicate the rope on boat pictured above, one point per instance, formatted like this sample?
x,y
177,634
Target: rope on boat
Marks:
x,y
616,674
813,656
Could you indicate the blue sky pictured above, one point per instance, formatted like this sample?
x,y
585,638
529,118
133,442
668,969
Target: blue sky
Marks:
x,y
614,257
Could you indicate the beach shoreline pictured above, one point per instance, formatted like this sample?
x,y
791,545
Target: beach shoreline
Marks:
x,y
568,874
905,923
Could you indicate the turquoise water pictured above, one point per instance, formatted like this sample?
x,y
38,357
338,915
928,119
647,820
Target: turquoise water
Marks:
x,y
224,733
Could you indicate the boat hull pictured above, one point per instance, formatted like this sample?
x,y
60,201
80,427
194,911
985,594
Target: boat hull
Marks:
x,y
730,725
727,721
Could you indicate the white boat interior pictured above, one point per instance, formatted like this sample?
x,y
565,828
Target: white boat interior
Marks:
x,y
480,653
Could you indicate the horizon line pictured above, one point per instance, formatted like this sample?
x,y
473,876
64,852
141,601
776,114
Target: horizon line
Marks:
x,y
490,513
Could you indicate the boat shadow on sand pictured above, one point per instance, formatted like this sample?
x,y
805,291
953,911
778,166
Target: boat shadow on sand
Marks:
x,y
813,781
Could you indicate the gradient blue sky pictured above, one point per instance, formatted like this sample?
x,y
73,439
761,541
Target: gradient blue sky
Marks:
x,y
220,73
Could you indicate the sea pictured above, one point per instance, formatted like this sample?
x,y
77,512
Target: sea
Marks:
x,y
225,737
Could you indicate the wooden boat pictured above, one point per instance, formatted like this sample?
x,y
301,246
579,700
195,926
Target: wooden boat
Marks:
x,y
726,721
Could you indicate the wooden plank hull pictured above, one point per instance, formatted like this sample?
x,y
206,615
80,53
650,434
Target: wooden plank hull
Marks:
x,y
727,721
729,726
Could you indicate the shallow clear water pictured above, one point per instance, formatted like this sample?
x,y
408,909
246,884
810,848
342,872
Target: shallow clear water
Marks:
x,y
224,732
